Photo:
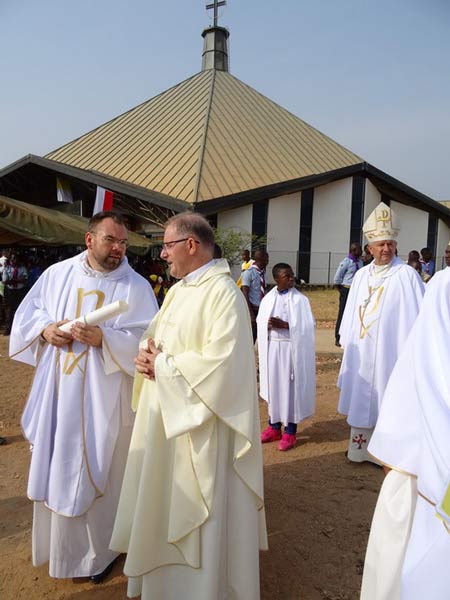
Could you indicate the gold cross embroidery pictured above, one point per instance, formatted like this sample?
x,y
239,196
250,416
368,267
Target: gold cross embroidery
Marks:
x,y
72,361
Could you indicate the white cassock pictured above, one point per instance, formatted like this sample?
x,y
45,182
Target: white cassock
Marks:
x,y
382,306
191,514
78,417
408,552
287,369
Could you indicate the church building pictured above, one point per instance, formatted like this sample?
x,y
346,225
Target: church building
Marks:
x,y
214,144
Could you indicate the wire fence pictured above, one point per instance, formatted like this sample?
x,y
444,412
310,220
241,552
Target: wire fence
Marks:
x,y
319,268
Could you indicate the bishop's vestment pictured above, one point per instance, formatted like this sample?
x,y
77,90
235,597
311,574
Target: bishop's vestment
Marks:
x,y
382,306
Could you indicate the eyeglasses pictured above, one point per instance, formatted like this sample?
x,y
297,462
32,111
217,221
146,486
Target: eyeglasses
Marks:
x,y
169,245
110,240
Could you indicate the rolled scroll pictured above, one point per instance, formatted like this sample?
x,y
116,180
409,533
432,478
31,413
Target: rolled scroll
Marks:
x,y
98,316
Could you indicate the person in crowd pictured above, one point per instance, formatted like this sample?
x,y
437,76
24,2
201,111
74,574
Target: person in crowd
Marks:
x,y
409,542
287,371
14,277
343,280
191,516
366,257
156,281
78,417
428,265
254,285
246,264
416,265
383,303
413,255
447,255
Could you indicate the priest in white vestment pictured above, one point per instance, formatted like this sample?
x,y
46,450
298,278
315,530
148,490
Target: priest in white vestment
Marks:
x,y
383,303
409,545
191,513
78,417
287,370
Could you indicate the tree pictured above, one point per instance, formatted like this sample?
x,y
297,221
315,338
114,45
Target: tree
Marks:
x,y
233,241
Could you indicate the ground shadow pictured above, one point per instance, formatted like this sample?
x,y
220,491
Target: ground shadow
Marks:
x,y
15,515
318,516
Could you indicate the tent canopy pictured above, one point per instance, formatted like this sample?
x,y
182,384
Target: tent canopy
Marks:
x,y
24,224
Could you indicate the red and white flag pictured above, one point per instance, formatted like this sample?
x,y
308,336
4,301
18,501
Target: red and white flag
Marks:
x,y
103,200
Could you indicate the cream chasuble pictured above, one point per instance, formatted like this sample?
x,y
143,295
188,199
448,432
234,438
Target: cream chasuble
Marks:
x,y
191,514
79,403
413,436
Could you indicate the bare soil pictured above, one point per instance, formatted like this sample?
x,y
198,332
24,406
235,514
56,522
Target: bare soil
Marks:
x,y
319,507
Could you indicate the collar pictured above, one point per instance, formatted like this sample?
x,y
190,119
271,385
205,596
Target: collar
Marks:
x,y
282,292
190,277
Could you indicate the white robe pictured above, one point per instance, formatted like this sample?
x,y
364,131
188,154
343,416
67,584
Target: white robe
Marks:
x,y
378,317
191,515
287,369
413,436
78,406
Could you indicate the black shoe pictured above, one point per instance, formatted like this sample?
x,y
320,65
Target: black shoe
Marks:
x,y
2,441
337,343
104,574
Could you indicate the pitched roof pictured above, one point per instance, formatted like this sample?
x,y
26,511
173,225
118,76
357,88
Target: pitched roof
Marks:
x,y
207,137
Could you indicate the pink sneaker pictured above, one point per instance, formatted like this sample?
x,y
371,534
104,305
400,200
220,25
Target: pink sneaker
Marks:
x,y
287,442
270,435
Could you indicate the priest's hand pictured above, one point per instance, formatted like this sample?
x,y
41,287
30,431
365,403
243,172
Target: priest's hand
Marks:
x,y
54,336
91,335
145,360
277,323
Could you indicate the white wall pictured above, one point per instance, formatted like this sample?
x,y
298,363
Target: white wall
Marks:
x,y
332,207
237,218
413,228
283,230
371,201
442,241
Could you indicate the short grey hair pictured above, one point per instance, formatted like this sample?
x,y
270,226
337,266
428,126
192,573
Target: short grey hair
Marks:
x,y
193,225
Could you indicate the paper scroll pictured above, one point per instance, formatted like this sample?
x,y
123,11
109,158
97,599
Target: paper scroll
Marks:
x,y
98,316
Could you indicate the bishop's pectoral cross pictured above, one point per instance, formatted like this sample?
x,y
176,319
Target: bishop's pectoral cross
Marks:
x,y
215,5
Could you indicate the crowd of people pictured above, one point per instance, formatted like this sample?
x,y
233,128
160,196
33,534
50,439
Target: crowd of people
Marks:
x,y
145,429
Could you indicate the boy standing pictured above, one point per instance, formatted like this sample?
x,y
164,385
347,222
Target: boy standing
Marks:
x,y
286,358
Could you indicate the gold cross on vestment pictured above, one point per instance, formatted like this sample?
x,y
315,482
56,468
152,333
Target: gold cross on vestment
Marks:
x,y
215,5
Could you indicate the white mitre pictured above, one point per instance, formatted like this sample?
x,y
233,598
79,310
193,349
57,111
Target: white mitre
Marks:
x,y
382,224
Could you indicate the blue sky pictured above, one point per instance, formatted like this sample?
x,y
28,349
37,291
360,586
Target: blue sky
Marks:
x,y
371,74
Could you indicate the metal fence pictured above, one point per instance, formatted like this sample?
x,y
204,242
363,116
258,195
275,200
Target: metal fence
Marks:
x,y
322,265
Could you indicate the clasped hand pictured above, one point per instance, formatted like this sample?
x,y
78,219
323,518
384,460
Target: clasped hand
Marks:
x,y
145,360
85,334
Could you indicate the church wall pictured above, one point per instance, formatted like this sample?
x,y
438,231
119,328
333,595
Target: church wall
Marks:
x,y
371,200
413,228
283,226
442,241
330,229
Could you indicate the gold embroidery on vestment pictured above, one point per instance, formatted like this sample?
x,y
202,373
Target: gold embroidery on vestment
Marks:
x,y
364,328
71,361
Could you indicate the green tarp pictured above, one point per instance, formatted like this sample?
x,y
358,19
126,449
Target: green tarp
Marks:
x,y
24,224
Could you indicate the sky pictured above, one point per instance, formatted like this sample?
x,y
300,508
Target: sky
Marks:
x,y
371,74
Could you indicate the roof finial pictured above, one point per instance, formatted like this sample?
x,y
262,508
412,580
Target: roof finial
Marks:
x,y
215,5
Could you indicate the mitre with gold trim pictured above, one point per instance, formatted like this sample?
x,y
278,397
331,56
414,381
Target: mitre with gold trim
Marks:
x,y
382,224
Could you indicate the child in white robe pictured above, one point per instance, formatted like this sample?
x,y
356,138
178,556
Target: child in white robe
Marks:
x,y
286,358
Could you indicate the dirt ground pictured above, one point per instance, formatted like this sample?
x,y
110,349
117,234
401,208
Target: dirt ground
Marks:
x,y
319,507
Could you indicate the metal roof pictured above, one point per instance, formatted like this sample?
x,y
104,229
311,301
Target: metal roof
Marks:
x,y
209,136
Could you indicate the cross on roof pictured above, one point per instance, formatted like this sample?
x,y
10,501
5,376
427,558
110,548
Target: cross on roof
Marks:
x,y
215,5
